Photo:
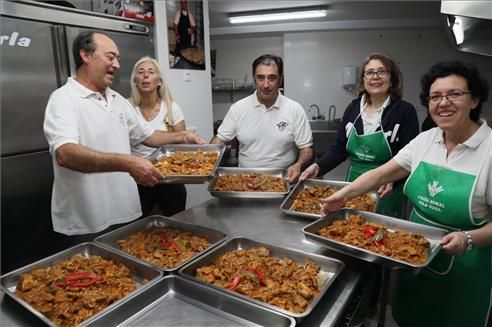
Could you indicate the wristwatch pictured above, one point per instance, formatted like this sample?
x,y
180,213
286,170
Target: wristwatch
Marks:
x,y
469,241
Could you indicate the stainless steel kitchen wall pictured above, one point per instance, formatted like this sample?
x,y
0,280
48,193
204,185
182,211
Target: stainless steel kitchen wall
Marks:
x,y
35,42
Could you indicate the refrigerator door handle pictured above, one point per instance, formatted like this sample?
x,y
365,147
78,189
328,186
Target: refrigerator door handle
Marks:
x,y
60,50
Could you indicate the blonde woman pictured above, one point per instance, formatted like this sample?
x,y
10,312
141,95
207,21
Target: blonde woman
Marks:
x,y
154,103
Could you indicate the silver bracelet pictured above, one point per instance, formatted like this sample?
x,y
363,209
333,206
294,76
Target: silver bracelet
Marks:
x,y
469,241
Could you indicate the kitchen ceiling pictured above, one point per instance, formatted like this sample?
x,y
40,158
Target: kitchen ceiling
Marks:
x,y
339,12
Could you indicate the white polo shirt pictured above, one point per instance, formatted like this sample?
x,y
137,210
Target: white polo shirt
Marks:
x,y
268,137
85,203
157,123
466,158
372,123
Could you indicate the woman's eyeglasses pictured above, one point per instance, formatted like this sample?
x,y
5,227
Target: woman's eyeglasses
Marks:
x,y
452,96
368,74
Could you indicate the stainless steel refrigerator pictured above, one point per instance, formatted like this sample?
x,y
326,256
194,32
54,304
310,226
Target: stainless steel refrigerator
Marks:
x,y
36,40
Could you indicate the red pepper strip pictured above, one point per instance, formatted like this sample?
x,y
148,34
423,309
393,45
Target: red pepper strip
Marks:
x,y
84,275
169,244
259,274
61,284
378,238
165,243
369,231
249,180
235,283
77,280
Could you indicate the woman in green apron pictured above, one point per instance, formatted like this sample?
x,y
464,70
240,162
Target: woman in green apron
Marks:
x,y
450,185
374,127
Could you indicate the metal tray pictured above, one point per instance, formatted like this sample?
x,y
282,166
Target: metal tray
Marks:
x,y
142,272
432,234
275,172
176,301
111,239
329,269
167,150
301,185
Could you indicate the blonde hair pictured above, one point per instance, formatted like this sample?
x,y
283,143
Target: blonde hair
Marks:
x,y
163,91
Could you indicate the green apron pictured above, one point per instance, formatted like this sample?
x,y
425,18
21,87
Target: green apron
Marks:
x,y
367,152
451,290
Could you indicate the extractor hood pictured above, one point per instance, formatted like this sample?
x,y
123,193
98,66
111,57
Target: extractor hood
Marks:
x,y
469,23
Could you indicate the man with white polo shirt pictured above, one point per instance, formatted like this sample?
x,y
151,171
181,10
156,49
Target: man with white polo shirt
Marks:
x,y
89,128
272,130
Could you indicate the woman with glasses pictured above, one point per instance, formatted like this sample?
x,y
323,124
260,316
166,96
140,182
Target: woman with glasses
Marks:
x,y
450,185
153,102
374,127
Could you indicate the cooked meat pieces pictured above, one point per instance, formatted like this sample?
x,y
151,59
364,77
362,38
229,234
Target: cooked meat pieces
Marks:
x,y
252,182
255,273
309,200
166,247
400,245
74,290
188,163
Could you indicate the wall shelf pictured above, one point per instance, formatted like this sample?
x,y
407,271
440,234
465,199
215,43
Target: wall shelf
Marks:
x,y
231,86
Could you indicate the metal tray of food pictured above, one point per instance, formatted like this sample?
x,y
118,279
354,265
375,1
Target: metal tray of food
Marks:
x,y
143,275
169,150
274,172
176,301
330,268
111,239
432,234
301,185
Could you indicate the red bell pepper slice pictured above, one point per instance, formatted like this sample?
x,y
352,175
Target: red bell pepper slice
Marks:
x,y
259,274
79,280
235,282
84,275
169,244
378,237
369,231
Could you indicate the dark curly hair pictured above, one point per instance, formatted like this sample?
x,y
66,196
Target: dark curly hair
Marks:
x,y
477,84
396,88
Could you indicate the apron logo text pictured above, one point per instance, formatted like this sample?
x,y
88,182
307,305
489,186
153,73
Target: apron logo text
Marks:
x,y
431,204
363,156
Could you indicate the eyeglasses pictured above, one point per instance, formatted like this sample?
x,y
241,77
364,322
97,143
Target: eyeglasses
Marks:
x,y
452,96
368,74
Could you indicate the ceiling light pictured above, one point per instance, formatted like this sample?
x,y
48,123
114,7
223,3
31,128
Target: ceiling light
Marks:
x,y
277,14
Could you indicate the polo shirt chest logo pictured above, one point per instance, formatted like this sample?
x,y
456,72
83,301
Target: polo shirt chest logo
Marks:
x,y
434,189
282,125
122,119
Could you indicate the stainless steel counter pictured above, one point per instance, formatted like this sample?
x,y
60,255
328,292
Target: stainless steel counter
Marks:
x,y
260,220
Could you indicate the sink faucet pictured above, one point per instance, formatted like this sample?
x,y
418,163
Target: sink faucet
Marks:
x,y
330,117
318,115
